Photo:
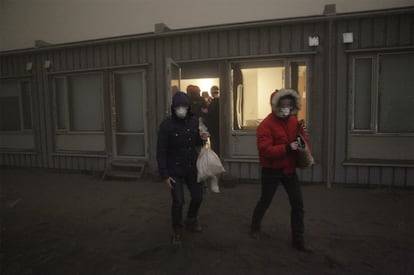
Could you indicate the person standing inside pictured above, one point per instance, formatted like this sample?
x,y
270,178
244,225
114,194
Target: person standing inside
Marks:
x,y
213,119
277,146
178,139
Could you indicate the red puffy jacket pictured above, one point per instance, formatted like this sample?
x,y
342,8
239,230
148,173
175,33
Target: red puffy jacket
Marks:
x,y
275,133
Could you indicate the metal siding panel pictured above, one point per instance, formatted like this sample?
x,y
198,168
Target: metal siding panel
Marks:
x,y
406,29
275,39
234,169
167,47
255,171
245,170
374,176
213,44
400,176
351,175
254,42
56,61
81,163
224,44
387,176
204,45
379,32
119,54
286,45
264,40
244,46
126,53
392,27
366,33
134,52
297,34
111,54
410,177
233,43
90,58
363,175
195,46
176,48
77,64
83,57
185,47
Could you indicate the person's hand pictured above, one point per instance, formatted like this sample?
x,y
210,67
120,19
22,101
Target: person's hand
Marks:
x,y
204,136
170,181
294,145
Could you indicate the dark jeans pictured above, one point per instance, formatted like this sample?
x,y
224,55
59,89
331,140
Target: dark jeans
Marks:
x,y
196,192
271,178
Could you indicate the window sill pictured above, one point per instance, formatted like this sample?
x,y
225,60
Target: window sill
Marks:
x,y
378,163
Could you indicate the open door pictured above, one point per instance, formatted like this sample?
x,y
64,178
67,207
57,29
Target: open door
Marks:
x,y
173,73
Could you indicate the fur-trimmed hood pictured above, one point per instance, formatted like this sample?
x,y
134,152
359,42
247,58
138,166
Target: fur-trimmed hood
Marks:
x,y
282,93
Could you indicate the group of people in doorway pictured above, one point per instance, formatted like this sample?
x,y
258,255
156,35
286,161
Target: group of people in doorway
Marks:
x,y
179,140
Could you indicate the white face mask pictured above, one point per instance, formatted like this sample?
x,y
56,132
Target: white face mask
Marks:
x,y
181,112
285,111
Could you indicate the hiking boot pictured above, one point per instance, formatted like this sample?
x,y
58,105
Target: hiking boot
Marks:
x,y
193,225
176,237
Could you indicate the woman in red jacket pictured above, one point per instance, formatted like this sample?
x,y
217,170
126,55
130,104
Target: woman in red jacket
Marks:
x,y
277,145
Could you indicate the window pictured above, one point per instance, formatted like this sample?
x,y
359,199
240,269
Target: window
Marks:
x,y
15,105
79,102
383,93
254,82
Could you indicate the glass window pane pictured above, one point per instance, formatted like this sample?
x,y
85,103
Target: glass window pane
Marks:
x,y
362,97
396,93
9,106
60,103
129,102
130,145
27,105
85,102
252,102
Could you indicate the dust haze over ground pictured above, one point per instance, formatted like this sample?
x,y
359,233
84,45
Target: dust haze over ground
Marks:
x,y
65,223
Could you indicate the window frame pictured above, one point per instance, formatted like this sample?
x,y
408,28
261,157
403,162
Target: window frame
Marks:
x,y
375,80
65,78
20,82
256,63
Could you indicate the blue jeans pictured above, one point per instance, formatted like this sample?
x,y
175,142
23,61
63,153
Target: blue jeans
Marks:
x,y
271,178
196,192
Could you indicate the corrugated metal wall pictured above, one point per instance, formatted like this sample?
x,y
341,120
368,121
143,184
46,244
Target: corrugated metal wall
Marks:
x,y
70,59
280,38
380,33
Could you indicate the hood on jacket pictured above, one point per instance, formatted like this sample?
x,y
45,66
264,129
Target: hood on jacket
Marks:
x,y
281,94
180,99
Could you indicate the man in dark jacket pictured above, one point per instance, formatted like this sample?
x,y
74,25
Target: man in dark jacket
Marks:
x,y
178,139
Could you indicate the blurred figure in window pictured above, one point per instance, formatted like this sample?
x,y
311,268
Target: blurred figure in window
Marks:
x,y
213,120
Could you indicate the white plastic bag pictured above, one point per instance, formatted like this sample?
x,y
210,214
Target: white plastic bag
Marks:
x,y
213,184
208,164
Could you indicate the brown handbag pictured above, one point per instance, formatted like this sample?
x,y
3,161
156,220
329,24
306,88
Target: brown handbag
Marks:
x,y
304,156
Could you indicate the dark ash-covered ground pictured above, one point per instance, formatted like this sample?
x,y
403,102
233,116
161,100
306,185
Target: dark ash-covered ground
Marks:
x,y
65,223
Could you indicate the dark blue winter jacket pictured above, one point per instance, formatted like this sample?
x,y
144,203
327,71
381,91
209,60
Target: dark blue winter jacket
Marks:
x,y
177,141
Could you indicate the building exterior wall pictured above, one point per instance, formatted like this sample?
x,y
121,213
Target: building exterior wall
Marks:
x,y
329,86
